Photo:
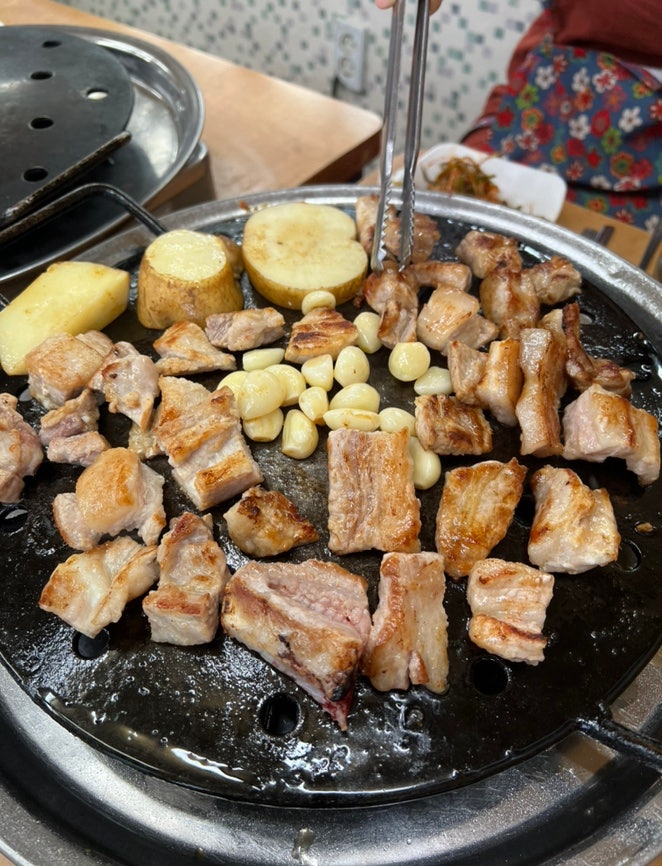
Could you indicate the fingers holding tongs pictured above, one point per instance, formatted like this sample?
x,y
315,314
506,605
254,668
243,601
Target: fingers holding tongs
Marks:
x,y
412,137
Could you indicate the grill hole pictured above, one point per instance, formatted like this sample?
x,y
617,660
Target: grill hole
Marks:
x,y
96,93
41,122
35,174
12,518
279,714
629,556
41,75
91,647
525,510
51,43
489,676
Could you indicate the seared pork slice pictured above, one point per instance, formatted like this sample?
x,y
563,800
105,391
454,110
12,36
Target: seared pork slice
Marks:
x,y
185,350
201,433
129,382
61,366
425,236
476,509
446,426
582,369
320,332
266,523
76,416
555,280
117,493
21,453
483,251
394,295
508,603
599,424
366,218
184,608
241,330
442,275
542,359
310,620
372,501
90,590
79,450
574,528
501,384
509,300
408,641
451,315
467,367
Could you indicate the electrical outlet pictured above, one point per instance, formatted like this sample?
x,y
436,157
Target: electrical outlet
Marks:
x,y
349,54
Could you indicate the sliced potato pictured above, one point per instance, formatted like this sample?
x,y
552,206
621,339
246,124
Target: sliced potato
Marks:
x,y
291,250
185,276
69,297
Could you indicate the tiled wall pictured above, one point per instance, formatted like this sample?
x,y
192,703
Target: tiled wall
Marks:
x,y
469,45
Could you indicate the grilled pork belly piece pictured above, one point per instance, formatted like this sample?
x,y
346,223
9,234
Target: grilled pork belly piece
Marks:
x,y
75,416
446,426
542,359
201,434
425,235
491,380
574,528
452,315
372,501
184,608
242,330
90,590
80,450
129,382
508,603
442,275
394,295
320,332
185,350
21,453
554,280
509,300
61,366
408,641
483,251
466,367
310,620
599,424
266,523
116,493
476,508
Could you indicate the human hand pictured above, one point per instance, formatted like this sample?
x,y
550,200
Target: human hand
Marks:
x,y
388,4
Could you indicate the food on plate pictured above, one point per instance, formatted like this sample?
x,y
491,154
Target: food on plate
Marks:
x,y
483,251
425,235
447,426
542,359
69,297
574,527
184,608
116,493
408,641
320,332
292,249
477,506
241,330
21,453
62,365
200,431
185,350
309,619
129,382
600,424
91,589
462,175
372,502
185,276
266,523
509,603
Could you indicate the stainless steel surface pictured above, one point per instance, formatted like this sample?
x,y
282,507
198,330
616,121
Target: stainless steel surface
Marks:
x,y
165,125
575,803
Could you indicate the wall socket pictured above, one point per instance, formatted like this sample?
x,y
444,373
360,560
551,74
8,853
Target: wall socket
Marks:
x,y
349,44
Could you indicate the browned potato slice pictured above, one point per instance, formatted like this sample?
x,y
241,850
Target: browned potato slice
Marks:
x,y
296,248
185,276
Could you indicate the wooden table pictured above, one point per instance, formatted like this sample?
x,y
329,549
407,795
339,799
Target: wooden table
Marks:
x,y
262,133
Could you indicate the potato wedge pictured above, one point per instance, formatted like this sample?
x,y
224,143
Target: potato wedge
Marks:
x,y
293,249
185,276
69,297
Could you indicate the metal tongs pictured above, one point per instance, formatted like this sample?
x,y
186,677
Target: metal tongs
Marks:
x,y
413,134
